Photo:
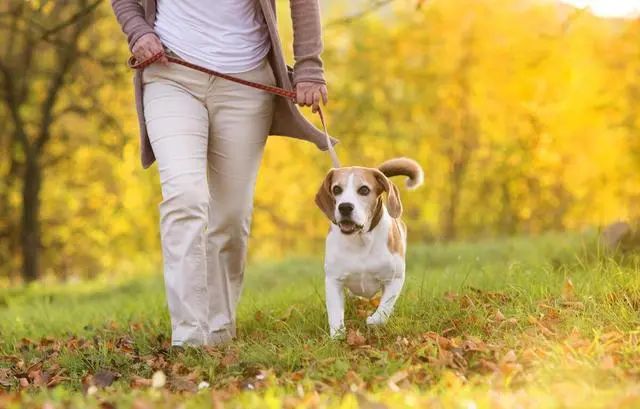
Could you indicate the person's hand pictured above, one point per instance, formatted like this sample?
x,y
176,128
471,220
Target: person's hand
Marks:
x,y
309,94
147,46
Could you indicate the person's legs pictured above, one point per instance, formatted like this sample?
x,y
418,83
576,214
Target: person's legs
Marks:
x,y
178,126
240,118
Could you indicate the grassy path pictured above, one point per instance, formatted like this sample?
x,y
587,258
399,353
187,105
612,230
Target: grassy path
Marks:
x,y
542,322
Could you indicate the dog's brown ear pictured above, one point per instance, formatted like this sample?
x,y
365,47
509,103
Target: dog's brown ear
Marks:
x,y
394,205
324,198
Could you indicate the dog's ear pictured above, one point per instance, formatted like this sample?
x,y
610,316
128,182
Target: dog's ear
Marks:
x,y
394,205
324,198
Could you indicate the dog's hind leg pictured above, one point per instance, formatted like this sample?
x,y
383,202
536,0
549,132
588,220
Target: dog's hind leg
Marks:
x,y
335,306
388,300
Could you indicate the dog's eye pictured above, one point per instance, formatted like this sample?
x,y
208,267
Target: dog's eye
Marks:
x,y
337,190
364,190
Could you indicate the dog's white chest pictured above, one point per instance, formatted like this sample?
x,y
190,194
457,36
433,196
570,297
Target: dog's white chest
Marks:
x,y
362,267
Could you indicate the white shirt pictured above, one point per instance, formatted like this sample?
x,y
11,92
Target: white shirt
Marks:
x,y
229,36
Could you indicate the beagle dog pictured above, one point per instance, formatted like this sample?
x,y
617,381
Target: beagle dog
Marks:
x,y
365,247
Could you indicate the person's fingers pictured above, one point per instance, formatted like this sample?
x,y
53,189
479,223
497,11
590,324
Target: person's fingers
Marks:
x,y
140,54
316,101
147,53
300,96
325,94
308,98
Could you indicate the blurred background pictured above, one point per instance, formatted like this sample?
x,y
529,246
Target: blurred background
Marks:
x,y
523,113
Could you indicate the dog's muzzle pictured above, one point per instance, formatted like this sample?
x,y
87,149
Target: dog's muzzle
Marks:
x,y
348,226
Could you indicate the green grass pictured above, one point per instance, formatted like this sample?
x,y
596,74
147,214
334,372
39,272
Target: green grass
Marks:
x,y
465,306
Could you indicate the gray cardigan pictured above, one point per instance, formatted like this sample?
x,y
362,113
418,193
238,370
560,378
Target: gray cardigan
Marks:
x,y
138,18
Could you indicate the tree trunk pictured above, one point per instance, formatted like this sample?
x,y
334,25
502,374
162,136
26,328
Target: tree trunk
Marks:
x,y
31,220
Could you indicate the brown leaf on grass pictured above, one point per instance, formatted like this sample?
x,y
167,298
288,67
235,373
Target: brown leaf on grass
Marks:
x,y
183,384
258,316
158,380
399,376
297,376
509,357
508,365
543,329
568,290
104,378
5,377
55,380
24,383
375,301
231,358
444,343
576,305
354,380
355,339
498,316
139,382
474,345
38,377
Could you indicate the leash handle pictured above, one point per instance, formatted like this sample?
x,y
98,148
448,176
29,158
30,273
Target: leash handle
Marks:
x,y
141,65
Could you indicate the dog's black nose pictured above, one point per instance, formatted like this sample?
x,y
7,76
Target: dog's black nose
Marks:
x,y
345,209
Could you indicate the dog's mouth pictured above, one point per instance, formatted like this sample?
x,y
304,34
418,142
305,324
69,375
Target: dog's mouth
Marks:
x,y
349,226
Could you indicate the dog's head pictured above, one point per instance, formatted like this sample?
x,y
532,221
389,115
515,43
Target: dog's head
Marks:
x,y
352,198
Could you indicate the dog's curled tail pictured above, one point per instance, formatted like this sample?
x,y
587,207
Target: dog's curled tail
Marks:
x,y
403,167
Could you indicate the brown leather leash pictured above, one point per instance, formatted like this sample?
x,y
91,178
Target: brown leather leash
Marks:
x,y
134,64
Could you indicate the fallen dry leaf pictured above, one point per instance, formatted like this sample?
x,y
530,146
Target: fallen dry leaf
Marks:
x,y
510,356
104,378
5,377
139,382
395,378
231,358
355,339
183,384
158,380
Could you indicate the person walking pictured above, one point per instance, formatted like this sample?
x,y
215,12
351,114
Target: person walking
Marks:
x,y
208,135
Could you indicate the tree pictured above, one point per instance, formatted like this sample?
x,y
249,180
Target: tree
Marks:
x,y
43,51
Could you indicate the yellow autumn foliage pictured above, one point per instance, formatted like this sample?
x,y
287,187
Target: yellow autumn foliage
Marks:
x,y
523,113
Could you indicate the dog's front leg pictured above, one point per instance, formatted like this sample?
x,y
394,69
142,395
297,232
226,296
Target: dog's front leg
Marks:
x,y
388,300
335,306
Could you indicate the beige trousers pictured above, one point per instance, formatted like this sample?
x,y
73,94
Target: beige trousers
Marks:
x,y
208,136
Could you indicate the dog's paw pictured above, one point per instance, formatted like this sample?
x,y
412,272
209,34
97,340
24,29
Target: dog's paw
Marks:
x,y
377,319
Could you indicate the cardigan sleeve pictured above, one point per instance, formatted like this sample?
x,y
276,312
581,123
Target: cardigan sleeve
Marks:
x,y
307,41
130,15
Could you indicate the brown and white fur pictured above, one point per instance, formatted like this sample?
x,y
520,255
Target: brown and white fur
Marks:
x,y
366,244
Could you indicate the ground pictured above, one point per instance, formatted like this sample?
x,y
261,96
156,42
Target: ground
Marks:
x,y
550,321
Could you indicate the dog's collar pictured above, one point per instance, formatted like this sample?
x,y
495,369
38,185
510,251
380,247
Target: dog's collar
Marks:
x,y
377,214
